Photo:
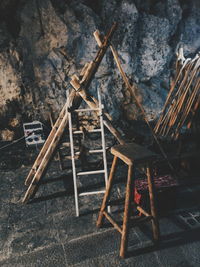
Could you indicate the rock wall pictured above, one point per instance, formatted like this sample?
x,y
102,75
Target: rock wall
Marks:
x,y
42,43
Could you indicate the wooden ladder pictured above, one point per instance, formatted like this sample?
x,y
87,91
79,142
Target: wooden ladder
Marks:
x,y
80,86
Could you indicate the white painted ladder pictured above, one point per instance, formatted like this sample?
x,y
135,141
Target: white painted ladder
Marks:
x,y
103,151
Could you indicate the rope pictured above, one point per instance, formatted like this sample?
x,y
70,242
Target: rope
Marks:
x,y
14,142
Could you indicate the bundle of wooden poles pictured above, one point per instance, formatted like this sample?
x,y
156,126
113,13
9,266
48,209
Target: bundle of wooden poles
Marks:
x,y
183,99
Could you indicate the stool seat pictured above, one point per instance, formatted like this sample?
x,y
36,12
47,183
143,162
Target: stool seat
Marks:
x,y
132,152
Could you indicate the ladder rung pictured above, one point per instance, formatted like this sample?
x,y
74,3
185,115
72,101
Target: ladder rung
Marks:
x,y
90,131
87,109
92,151
92,193
66,144
91,172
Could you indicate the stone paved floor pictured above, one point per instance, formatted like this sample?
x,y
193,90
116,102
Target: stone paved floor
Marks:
x,y
46,232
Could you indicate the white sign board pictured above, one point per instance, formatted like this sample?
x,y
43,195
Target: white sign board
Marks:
x,y
33,132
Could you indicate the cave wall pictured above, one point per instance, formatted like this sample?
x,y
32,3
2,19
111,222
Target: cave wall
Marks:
x,y
42,43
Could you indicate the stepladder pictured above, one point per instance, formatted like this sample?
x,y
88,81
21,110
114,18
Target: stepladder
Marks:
x,y
95,149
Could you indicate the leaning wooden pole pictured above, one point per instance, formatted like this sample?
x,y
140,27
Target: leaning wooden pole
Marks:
x,y
131,90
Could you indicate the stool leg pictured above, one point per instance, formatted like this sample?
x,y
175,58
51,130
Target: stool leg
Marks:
x,y
155,223
108,191
125,227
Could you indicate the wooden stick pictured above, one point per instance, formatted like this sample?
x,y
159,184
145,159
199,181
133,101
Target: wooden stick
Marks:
x,y
168,98
125,227
164,119
188,108
155,223
182,98
112,221
108,191
131,90
170,112
194,112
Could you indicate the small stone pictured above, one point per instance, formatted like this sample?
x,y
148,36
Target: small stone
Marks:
x,y
7,135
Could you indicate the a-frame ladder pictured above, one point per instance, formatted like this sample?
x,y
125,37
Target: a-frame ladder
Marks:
x,y
80,85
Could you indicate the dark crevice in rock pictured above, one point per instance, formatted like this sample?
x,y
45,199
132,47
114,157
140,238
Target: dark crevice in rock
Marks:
x,y
9,14
96,5
60,6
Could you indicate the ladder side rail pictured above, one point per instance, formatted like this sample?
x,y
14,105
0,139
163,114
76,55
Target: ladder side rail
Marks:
x,y
103,136
73,165
103,142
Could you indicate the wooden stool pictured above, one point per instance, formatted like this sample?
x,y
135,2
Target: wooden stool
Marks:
x,y
131,154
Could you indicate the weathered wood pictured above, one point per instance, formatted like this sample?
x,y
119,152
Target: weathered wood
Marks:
x,y
183,96
125,227
112,221
133,153
58,154
49,152
155,224
45,147
107,193
141,210
168,98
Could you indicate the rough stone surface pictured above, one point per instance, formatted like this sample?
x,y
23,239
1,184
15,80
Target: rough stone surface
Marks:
x,y
46,232
42,43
